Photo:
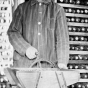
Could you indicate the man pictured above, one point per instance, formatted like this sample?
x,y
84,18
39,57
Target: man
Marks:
x,y
39,32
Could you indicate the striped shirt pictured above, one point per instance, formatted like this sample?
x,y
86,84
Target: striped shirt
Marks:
x,y
43,26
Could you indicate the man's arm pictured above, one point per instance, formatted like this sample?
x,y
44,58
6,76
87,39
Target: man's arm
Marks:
x,y
62,38
15,33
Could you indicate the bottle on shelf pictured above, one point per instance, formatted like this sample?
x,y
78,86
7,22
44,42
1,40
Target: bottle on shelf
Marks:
x,y
68,19
73,86
83,29
74,10
86,67
71,57
84,75
78,11
85,58
73,19
76,38
70,10
86,3
86,11
4,86
78,85
71,2
86,85
77,2
78,29
71,38
66,10
77,19
82,38
86,39
86,20
82,11
1,80
87,29
80,57
60,1
70,66
76,67
82,66
86,48
74,29
76,57
72,47
82,20
70,29
81,48
67,1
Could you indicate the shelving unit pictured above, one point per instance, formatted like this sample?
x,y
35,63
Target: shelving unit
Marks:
x,y
76,12
6,50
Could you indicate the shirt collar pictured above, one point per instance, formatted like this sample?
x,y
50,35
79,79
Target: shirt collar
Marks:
x,y
43,1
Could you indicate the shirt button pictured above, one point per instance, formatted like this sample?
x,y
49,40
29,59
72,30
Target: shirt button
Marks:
x,y
40,4
39,33
39,23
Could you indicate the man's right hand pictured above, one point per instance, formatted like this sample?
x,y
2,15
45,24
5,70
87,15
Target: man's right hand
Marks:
x,y
31,53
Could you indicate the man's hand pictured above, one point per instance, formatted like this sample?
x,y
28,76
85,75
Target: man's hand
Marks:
x,y
31,53
62,66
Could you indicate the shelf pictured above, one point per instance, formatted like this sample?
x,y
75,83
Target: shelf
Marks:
x,y
2,50
8,10
78,52
78,61
73,6
76,15
83,80
5,5
4,24
78,33
81,70
78,42
77,24
6,56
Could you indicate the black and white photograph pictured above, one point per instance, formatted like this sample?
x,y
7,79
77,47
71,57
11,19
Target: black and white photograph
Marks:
x,y
43,43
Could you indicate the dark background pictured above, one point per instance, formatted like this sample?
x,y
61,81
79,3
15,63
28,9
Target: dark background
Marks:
x,y
26,0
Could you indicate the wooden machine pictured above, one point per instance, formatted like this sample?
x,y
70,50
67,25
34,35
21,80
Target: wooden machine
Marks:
x,y
41,77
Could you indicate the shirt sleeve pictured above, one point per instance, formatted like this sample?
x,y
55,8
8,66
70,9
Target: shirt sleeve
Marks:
x,y
62,37
15,33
